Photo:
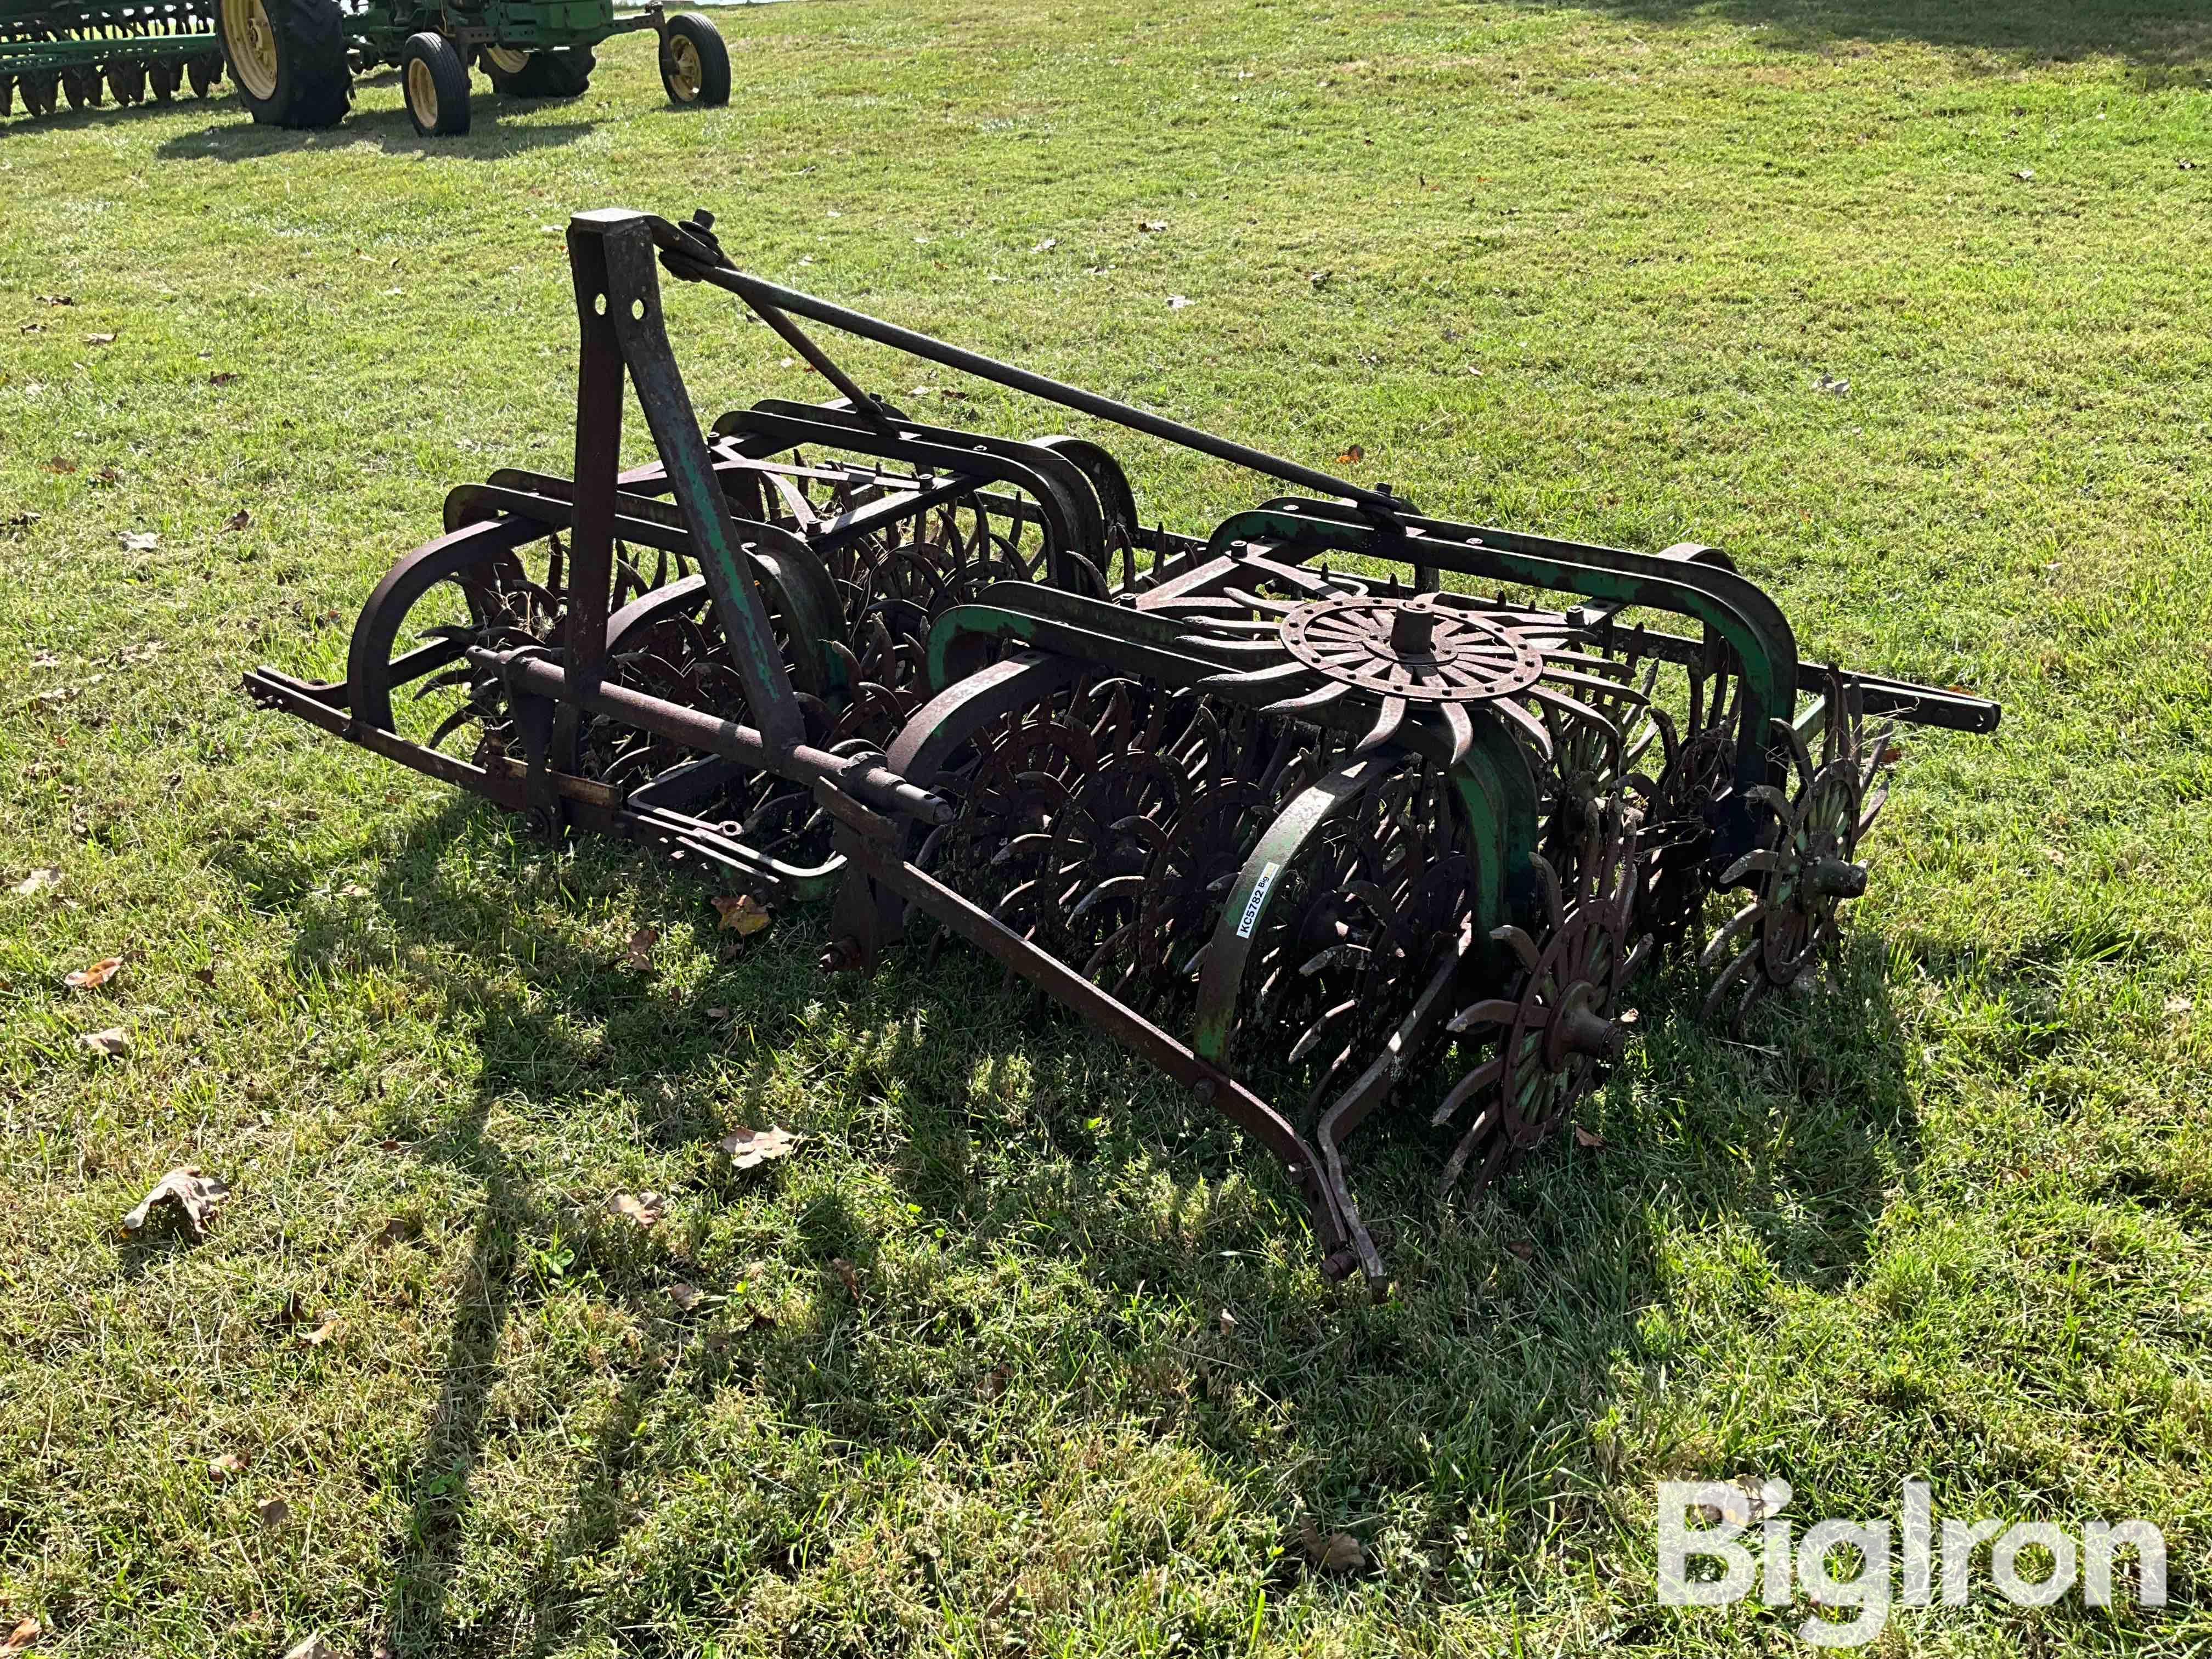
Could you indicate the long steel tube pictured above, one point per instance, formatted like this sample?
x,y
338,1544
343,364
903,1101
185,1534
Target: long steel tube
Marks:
x,y
866,778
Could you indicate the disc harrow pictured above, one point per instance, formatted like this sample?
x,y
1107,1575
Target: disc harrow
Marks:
x,y
1332,807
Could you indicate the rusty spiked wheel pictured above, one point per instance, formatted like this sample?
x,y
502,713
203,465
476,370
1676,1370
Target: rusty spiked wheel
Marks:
x,y
1561,1028
1800,881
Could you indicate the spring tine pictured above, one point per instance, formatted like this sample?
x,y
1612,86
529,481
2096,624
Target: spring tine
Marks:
x,y
1283,670
1554,900
453,722
449,680
1393,716
1459,728
1764,861
1481,1078
1520,944
1531,727
1721,941
1468,1143
1490,1011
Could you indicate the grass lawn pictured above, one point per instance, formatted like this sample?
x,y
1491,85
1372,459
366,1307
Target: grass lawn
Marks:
x,y
961,1382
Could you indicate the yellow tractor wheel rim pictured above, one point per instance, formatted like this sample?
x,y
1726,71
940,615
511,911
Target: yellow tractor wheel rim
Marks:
x,y
253,44
507,59
422,91
684,73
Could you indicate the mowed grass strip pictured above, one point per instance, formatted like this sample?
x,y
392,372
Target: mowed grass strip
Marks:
x,y
1907,310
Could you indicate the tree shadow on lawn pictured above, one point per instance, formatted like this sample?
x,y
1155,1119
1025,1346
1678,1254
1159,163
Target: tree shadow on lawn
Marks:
x,y
1021,1139
2169,40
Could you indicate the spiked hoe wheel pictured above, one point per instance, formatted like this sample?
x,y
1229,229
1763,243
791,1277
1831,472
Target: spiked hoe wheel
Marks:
x,y
1290,809
1801,881
1550,1040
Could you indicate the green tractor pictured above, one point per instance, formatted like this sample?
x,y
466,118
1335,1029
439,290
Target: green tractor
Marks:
x,y
293,61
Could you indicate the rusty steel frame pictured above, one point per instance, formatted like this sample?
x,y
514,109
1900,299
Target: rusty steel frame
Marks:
x,y
1239,674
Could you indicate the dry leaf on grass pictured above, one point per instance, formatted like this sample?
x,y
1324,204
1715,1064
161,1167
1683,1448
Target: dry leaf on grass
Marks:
x,y
1338,1553
222,377
114,1043
237,520
224,1467
106,477
685,1297
1151,224
56,299
92,978
645,1209
641,947
314,1648
21,1638
100,339
1177,301
847,1276
1590,1139
750,1148
1046,245
743,914
61,463
37,882
1522,1248
1353,454
274,1513
398,1230
197,1194
140,541
1228,1322
326,1329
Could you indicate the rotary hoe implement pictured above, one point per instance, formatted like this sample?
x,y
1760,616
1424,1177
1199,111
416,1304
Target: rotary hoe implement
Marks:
x,y
1334,807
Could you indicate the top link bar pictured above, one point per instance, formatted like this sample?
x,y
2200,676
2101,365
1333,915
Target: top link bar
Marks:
x,y
690,252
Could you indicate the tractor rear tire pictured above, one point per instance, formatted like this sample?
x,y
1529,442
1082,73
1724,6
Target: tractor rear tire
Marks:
x,y
288,59
694,64
435,82
542,74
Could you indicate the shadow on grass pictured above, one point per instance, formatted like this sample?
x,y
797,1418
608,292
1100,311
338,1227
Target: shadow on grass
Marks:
x,y
1023,1142
390,131
24,124
2169,40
